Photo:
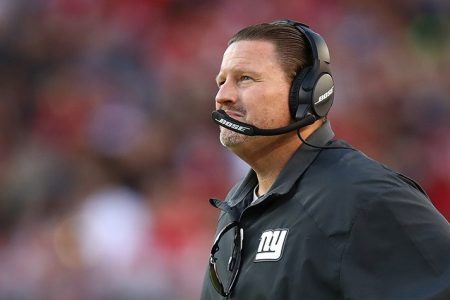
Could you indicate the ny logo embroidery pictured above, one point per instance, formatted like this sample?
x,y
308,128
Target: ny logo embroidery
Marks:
x,y
271,245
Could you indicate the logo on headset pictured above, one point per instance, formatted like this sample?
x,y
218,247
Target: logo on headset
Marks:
x,y
325,96
233,126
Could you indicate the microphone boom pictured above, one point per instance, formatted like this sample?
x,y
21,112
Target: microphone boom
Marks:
x,y
224,120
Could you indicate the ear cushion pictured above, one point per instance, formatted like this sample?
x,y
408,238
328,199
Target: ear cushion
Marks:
x,y
294,98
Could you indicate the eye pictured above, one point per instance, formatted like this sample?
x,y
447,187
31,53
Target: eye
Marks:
x,y
245,77
220,83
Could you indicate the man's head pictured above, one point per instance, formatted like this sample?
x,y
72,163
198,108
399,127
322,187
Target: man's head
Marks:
x,y
290,45
256,76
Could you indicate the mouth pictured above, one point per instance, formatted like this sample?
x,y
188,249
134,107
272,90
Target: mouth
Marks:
x,y
234,114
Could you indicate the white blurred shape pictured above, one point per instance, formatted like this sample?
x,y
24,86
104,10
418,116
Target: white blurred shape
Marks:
x,y
113,224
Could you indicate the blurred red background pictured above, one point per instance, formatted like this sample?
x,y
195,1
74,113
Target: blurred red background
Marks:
x,y
108,154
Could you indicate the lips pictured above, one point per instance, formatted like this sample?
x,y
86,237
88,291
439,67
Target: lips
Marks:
x,y
233,114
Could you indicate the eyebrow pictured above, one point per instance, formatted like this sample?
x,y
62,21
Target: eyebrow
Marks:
x,y
239,71
217,77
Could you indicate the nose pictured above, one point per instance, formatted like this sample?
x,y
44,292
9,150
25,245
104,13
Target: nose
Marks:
x,y
227,94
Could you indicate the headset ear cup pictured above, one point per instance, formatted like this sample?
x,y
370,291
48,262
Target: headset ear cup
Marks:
x,y
294,93
323,95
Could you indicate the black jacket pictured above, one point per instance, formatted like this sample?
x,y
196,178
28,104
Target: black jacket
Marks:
x,y
335,225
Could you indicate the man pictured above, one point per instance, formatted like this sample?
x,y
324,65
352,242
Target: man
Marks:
x,y
314,218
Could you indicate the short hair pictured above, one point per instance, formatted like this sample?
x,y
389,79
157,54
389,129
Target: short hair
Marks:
x,y
290,44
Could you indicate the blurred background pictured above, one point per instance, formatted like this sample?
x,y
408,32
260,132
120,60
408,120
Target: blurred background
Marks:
x,y
108,155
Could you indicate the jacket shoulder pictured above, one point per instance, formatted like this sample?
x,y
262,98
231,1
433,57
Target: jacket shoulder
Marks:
x,y
349,171
342,182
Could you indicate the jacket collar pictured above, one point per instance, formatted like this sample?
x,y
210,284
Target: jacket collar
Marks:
x,y
294,168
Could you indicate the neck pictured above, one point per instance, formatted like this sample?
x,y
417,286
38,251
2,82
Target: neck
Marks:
x,y
268,164
267,156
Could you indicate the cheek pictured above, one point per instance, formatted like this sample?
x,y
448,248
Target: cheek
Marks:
x,y
266,104
278,107
272,111
283,102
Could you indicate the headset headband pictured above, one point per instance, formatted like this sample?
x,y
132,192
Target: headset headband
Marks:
x,y
312,89
316,42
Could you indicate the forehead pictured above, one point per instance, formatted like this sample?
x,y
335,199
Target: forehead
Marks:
x,y
256,55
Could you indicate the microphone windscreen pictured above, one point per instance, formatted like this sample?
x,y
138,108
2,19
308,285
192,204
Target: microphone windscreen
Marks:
x,y
221,118
224,120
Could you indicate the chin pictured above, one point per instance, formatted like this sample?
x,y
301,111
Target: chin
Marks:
x,y
231,139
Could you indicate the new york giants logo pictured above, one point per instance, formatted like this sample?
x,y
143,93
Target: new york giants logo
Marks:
x,y
271,245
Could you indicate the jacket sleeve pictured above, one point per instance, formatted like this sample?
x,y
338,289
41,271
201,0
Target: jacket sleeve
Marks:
x,y
398,248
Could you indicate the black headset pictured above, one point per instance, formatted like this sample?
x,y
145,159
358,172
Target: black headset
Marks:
x,y
312,90
311,94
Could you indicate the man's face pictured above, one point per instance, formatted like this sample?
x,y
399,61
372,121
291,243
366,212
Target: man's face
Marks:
x,y
253,89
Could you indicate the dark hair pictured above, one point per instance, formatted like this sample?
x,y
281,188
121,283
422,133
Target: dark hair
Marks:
x,y
290,44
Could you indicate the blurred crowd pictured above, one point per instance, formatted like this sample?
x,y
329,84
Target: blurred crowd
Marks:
x,y
108,155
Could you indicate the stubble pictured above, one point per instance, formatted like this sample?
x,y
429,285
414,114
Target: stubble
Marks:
x,y
231,139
